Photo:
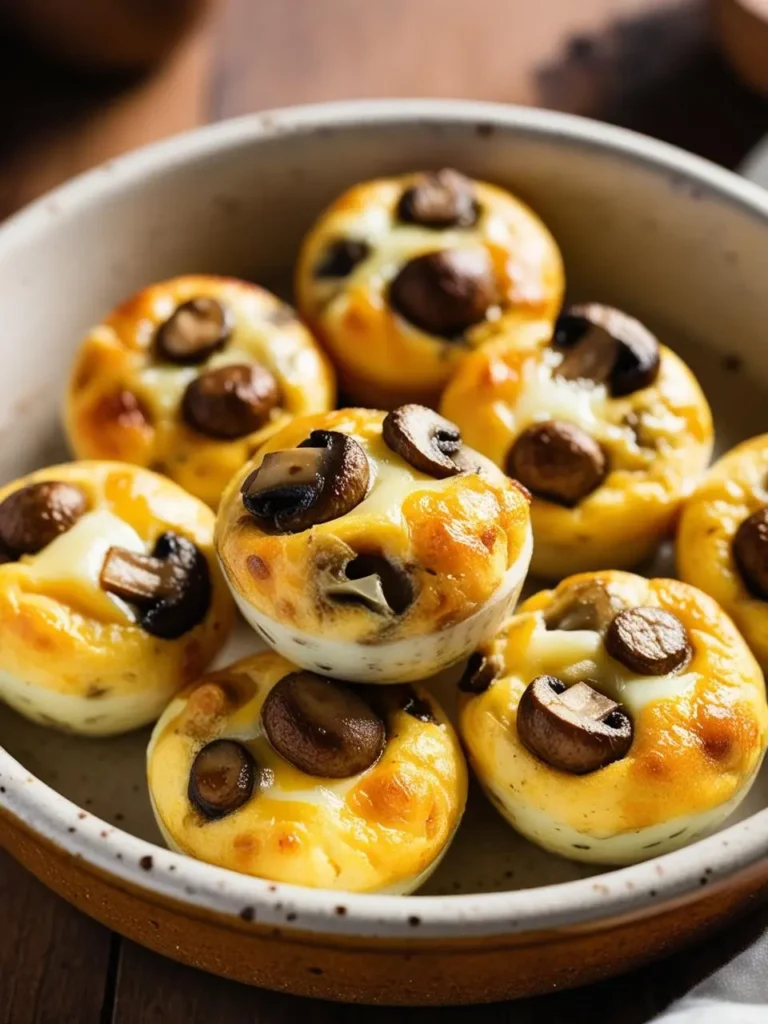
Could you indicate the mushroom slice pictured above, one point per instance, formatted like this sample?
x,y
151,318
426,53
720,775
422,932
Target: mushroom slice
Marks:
x,y
576,729
649,641
445,292
557,461
750,552
341,258
586,605
195,330
171,587
322,727
37,514
222,778
230,401
442,199
324,478
375,581
604,345
426,440
482,670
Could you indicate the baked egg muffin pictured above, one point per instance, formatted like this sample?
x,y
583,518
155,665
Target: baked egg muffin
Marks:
x,y
607,429
189,377
110,596
373,547
294,777
615,718
402,277
722,541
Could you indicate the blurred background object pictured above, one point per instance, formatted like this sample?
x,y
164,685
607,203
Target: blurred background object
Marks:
x,y
742,26
84,80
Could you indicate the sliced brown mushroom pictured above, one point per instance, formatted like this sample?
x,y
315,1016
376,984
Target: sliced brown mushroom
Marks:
x,y
586,605
419,708
445,292
230,401
37,514
482,670
750,551
557,461
322,727
604,345
574,729
195,330
649,641
375,581
222,778
442,199
341,258
426,440
171,587
324,478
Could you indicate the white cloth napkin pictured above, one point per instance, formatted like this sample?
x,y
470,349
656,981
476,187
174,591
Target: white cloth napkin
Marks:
x,y
735,993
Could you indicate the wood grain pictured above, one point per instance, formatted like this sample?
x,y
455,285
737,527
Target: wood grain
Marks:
x,y
53,961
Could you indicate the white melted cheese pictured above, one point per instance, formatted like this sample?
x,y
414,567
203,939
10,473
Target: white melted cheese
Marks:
x,y
544,396
75,560
393,483
575,655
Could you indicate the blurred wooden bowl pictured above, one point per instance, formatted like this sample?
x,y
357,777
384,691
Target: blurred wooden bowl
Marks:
x,y
742,27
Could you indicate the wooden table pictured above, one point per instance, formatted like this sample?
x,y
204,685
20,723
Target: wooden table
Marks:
x,y
645,64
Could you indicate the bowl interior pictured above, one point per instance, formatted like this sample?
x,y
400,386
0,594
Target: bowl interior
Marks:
x,y
238,199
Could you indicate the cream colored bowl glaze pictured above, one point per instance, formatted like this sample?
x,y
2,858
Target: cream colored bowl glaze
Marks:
x,y
673,239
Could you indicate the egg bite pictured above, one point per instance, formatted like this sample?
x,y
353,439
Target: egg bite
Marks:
x,y
402,277
722,540
373,548
190,376
110,596
608,430
284,774
615,718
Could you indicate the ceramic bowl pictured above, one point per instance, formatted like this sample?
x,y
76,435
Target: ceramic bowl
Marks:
x,y
671,238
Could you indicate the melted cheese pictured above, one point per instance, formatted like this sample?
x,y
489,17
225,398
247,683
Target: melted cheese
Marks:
x,y
70,566
279,779
546,397
393,483
575,655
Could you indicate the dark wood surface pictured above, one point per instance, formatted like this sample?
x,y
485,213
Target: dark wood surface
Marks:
x,y
646,64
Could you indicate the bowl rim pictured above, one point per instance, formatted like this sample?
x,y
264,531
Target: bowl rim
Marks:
x,y
131,861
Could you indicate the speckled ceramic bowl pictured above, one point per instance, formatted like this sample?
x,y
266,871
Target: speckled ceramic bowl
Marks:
x,y
644,226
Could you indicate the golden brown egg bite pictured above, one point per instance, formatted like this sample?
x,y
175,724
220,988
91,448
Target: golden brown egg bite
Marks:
x,y
615,718
401,277
189,376
722,541
373,548
607,429
110,596
294,777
